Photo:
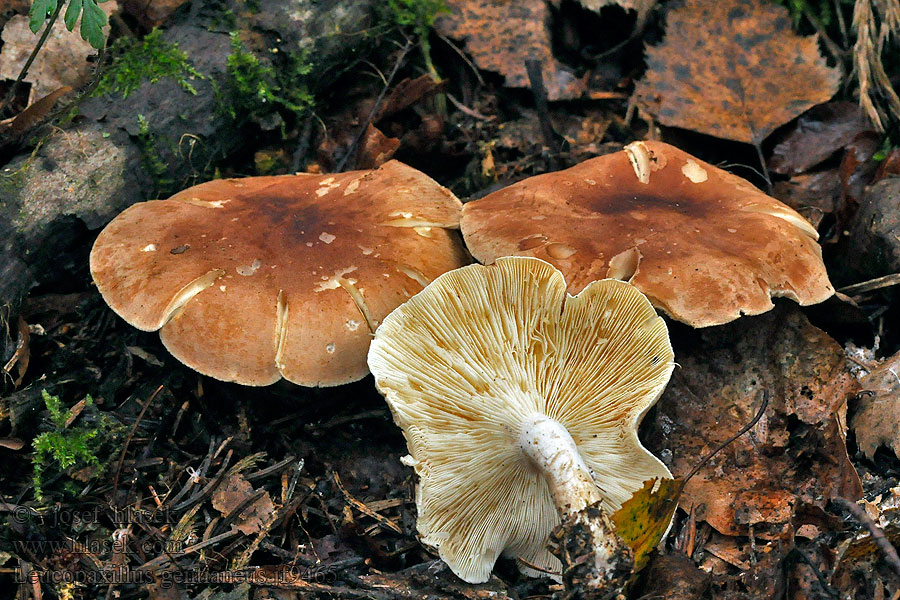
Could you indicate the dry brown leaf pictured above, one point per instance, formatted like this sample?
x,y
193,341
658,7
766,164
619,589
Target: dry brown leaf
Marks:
x,y
375,149
234,492
62,61
35,114
500,36
877,419
733,69
795,456
816,135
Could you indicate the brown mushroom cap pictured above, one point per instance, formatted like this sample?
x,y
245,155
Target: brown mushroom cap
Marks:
x,y
255,279
704,245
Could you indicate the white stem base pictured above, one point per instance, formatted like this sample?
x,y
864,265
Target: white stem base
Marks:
x,y
551,449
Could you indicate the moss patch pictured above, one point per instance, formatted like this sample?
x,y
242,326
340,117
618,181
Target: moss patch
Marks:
x,y
149,59
68,447
254,89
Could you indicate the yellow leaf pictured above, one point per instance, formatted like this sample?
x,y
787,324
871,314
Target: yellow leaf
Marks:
x,y
645,517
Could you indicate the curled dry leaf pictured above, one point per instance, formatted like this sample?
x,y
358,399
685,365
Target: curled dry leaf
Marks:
x,y
500,36
795,456
232,494
877,419
733,69
375,148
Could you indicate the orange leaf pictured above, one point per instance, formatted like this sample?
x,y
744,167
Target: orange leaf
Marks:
x,y
501,35
733,69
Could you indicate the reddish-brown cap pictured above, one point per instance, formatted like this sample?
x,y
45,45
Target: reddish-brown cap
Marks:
x,y
703,245
255,279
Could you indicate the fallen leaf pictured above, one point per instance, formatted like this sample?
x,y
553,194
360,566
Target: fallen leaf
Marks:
x,y
375,149
643,520
500,36
408,92
15,127
877,418
21,356
818,133
234,492
674,576
793,457
733,69
584,132
858,167
62,61
733,550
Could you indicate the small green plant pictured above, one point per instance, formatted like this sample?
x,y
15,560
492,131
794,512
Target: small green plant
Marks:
x,y
418,16
93,19
254,89
151,159
149,59
66,447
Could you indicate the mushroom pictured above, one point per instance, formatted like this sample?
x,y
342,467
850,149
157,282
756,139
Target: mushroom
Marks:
x,y
704,245
519,405
251,280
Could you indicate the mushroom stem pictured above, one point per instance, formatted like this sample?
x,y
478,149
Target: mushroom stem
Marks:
x,y
551,449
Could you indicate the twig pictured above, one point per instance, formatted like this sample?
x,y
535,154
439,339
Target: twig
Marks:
x,y
303,143
161,560
209,486
12,91
363,508
277,467
469,111
804,558
131,435
890,553
465,58
536,79
765,168
871,285
842,23
351,151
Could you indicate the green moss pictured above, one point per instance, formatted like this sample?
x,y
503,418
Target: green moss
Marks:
x,y
69,447
151,159
416,14
254,89
149,59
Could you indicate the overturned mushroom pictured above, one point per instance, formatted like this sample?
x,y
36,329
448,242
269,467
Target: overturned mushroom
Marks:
x,y
519,405
252,280
704,245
